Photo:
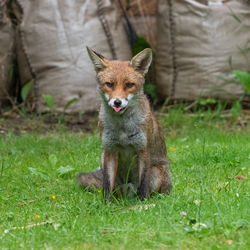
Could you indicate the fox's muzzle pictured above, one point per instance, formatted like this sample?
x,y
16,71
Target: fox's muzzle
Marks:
x,y
118,104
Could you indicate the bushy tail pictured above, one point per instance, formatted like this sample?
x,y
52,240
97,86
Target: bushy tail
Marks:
x,y
91,180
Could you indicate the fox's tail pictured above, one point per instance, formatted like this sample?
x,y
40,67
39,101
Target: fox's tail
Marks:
x,y
91,180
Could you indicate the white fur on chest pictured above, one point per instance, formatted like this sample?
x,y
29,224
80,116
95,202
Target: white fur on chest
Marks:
x,y
121,131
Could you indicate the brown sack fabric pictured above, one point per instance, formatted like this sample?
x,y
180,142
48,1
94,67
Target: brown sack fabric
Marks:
x,y
196,40
6,53
142,15
53,36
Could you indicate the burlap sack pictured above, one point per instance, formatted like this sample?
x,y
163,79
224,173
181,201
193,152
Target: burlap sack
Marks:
x,y
197,40
53,36
142,15
6,53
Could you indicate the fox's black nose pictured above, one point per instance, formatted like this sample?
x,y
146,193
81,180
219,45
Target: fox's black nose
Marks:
x,y
117,102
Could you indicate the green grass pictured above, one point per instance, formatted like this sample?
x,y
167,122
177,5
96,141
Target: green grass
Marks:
x,y
206,209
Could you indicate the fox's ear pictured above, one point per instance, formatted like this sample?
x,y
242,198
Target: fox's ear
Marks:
x,y
142,61
97,60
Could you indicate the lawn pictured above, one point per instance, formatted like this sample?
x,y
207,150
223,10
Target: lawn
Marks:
x,y
41,206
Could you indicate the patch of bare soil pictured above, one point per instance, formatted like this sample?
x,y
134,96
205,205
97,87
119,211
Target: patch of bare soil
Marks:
x,y
32,123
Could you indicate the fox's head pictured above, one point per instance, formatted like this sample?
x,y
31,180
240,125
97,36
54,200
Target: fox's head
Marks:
x,y
121,82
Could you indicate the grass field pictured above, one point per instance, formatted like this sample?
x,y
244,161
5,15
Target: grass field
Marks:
x,y
41,206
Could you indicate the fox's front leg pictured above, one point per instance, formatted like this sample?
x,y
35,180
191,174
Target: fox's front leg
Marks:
x,y
109,166
144,172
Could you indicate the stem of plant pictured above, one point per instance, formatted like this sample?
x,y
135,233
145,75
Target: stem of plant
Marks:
x,y
2,168
201,183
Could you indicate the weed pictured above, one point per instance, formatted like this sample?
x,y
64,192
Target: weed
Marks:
x,y
60,117
26,90
244,79
66,106
49,100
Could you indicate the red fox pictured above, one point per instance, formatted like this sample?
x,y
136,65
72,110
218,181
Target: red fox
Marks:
x,y
134,150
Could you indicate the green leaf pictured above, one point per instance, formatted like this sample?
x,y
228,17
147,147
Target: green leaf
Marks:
x,y
241,223
207,101
48,100
189,229
230,61
140,44
236,108
36,172
64,170
67,105
211,100
244,79
199,226
26,90
150,89
52,160
237,19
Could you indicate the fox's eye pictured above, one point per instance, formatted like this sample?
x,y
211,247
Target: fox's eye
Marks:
x,y
109,84
130,85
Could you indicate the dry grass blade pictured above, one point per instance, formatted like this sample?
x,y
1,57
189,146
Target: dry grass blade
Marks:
x,y
28,226
136,207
